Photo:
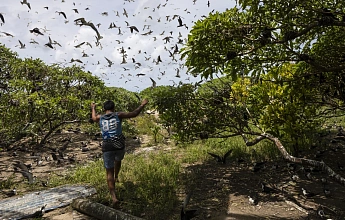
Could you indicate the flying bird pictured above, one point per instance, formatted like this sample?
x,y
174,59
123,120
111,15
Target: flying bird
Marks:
x,y
62,13
76,60
177,73
49,44
159,59
125,13
22,46
153,83
36,31
2,18
147,33
7,34
179,22
82,21
221,159
208,3
109,62
75,10
123,60
79,45
133,28
26,3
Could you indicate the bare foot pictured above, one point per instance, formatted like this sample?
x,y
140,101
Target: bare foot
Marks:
x,y
115,204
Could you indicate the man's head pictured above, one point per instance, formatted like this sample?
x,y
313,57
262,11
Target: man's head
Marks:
x,y
108,105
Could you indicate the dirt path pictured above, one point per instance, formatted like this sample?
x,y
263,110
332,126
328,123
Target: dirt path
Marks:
x,y
220,190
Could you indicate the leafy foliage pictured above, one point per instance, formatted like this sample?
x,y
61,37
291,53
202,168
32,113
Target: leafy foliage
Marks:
x,y
41,98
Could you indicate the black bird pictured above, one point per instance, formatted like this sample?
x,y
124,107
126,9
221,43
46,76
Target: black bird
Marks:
x,y
54,156
257,166
75,10
187,214
49,44
307,194
21,166
153,83
82,21
39,213
265,188
179,22
221,159
133,28
36,31
29,176
27,3
62,13
208,3
159,59
2,18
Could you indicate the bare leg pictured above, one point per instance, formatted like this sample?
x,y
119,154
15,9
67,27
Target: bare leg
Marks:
x,y
117,169
111,184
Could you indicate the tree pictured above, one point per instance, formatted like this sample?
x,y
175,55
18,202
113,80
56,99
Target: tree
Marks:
x,y
39,98
261,38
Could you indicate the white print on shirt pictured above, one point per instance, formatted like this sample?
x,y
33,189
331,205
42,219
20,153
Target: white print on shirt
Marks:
x,y
109,124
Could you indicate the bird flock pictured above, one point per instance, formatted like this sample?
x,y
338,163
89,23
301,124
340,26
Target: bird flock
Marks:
x,y
130,44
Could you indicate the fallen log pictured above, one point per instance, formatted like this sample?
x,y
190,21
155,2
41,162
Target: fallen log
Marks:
x,y
100,211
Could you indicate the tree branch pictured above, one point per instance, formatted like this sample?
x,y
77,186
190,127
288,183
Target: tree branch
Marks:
x,y
313,163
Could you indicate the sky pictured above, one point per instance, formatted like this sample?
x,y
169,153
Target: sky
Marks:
x,y
151,17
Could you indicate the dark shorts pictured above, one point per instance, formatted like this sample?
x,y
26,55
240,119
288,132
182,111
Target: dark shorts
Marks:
x,y
109,157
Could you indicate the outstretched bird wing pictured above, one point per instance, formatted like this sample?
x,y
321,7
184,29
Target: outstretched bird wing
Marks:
x,y
2,18
153,83
215,156
227,154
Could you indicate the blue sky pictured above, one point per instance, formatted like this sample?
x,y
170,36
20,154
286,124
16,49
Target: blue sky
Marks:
x,y
146,15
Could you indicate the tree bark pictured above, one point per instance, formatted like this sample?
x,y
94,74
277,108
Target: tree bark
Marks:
x,y
100,211
303,161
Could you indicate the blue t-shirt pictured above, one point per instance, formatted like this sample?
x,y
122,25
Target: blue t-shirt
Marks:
x,y
110,125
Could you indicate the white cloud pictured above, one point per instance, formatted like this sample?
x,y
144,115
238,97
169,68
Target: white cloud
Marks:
x,y
19,20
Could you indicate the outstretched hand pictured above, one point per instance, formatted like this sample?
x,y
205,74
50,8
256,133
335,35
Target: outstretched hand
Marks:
x,y
93,105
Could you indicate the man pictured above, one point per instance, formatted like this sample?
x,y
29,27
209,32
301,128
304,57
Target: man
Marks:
x,y
111,128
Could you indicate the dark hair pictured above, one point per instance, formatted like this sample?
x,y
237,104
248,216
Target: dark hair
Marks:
x,y
108,105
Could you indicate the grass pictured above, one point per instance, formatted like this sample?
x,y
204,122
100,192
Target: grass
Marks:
x,y
150,182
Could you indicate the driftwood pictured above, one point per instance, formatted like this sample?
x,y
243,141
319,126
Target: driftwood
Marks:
x,y
319,164
100,211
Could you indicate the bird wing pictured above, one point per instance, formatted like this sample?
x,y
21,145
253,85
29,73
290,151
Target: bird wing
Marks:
x,y
27,175
79,45
135,28
214,155
90,24
136,95
63,13
227,153
2,18
109,61
186,199
153,82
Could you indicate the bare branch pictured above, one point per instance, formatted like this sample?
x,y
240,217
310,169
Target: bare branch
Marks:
x,y
313,163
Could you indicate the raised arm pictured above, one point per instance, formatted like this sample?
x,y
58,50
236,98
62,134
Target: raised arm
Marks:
x,y
95,117
134,113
